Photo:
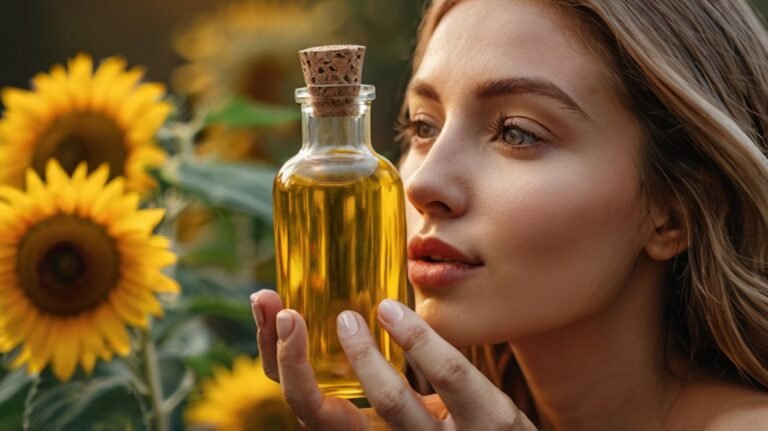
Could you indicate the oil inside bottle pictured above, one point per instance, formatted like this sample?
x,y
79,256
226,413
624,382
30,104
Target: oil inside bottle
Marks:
x,y
340,244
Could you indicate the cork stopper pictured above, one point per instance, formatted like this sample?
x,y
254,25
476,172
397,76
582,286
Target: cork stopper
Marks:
x,y
332,74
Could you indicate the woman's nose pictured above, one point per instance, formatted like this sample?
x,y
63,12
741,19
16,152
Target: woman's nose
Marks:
x,y
438,188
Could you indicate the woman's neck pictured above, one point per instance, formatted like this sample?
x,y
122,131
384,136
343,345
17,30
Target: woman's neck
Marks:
x,y
608,371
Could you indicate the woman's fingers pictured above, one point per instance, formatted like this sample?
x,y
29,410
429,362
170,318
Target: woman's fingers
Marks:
x,y
300,389
385,388
435,406
469,396
265,304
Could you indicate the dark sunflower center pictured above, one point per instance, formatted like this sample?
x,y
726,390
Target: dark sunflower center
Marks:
x,y
260,79
63,265
67,265
270,415
82,137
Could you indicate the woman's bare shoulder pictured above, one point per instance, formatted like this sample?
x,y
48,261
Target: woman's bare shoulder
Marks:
x,y
717,405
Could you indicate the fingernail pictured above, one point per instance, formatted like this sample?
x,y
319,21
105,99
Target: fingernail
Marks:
x,y
284,324
390,312
257,314
347,324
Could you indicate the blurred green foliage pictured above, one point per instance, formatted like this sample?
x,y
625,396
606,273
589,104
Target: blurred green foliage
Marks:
x,y
230,253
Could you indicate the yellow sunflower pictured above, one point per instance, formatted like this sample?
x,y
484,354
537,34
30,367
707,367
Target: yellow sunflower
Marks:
x,y
4,343
80,115
249,49
232,144
78,263
243,399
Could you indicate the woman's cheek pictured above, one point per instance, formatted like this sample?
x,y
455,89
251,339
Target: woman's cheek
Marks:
x,y
562,226
408,166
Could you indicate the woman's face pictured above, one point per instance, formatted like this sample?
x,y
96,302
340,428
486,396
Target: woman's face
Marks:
x,y
525,162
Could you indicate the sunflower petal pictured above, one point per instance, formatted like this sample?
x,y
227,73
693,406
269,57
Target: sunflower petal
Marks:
x,y
120,88
88,361
126,308
164,284
123,207
27,102
59,79
92,340
145,96
12,223
151,258
78,177
90,190
21,359
40,343
66,350
142,295
54,93
105,354
55,174
15,197
80,69
105,75
113,190
19,321
141,221
150,122
113,330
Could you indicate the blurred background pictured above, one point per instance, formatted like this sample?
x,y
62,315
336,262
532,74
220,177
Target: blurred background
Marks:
x,y
230,68
166,38
249,43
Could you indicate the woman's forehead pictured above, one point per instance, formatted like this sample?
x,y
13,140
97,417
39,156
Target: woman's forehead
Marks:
x,y
496,39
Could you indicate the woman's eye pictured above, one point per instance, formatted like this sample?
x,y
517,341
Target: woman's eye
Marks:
x,y
424,130
514,135
519,137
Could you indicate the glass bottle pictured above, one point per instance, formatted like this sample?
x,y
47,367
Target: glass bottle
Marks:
x,y
339,229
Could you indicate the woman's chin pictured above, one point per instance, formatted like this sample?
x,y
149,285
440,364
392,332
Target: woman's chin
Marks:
x,y
459,332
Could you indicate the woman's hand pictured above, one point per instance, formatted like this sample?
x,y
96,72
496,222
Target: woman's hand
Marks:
x,y
465,399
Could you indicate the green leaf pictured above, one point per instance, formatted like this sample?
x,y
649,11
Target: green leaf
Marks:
x,y
209,300
212,306
221,250
219,355
107,403
203,282
13,391
241,112
243,188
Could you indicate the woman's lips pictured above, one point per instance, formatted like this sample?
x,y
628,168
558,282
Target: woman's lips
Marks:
x,y
438,275
434,264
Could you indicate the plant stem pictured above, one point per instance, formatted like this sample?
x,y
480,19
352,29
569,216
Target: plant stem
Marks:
x,y
160,418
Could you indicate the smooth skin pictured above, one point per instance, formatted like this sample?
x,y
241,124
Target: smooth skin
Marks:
x,y
525,156
461,389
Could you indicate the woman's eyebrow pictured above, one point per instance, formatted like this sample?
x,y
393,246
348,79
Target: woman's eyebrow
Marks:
x,y
522,85
423,89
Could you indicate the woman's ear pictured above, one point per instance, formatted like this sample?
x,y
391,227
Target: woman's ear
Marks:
x,y
670,235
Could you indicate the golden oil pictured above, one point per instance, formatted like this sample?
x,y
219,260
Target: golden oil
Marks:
x,y
340,237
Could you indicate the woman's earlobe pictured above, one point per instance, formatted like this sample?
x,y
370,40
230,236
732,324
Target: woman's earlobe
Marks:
x,y
670,236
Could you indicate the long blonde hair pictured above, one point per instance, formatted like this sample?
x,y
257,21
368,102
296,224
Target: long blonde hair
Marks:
x,y
696,74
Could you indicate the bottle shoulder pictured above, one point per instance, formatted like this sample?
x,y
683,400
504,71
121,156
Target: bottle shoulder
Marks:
x,y
337,169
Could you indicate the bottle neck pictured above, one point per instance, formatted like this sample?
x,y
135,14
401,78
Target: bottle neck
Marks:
x,y
326,133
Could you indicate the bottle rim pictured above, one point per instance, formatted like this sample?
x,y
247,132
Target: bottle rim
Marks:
x,y
365,92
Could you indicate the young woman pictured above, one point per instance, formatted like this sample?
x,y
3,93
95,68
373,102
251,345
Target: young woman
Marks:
x,y
592,176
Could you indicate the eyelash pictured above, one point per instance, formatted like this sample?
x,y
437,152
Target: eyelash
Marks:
x,y
408,130
504,124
